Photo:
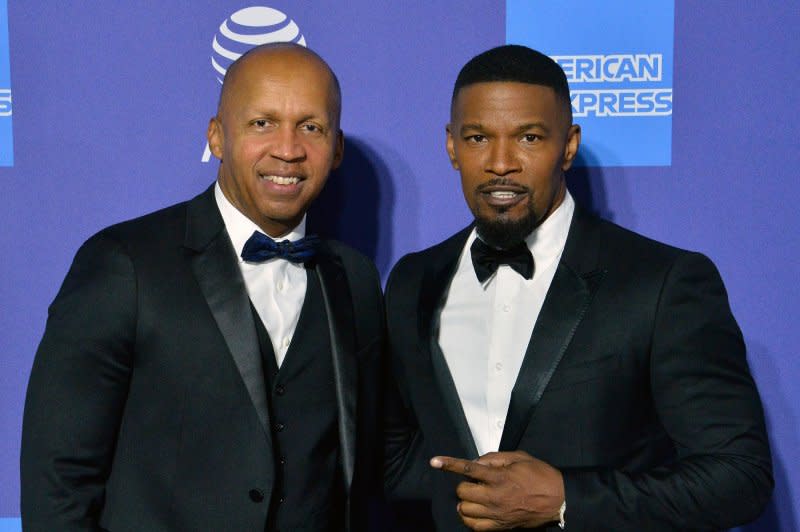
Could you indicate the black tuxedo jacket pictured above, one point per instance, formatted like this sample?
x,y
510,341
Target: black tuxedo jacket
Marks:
x,y
634,384
147,407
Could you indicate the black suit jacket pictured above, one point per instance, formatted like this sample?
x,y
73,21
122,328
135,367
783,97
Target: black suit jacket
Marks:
x,y
634,384
146,407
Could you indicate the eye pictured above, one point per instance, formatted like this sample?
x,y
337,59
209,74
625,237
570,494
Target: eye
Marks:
x,y
261,123
475,139
530,137
310,127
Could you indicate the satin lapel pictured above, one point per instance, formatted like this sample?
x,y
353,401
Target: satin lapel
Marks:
x,y
341,327
214,264
565,305
434,372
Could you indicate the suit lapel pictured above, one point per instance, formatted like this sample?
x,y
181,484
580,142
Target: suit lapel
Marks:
x,y
338,303
567,300
213,261
434,373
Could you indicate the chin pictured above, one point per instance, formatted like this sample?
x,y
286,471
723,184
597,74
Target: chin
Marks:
x,y
504,232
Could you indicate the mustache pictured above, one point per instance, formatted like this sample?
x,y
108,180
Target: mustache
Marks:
x,y
501,181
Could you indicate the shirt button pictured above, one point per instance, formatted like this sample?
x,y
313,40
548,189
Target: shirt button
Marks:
x,y
280,286
286,341
279,427
256,495
280,390
499,424
499,366
506,308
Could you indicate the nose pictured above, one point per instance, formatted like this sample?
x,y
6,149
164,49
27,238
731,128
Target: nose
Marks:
x,y
287,145
502,159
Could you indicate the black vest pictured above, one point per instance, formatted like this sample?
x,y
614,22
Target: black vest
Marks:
x,y
309,489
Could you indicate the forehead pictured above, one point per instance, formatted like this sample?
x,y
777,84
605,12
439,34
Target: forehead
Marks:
x,y
279,76
507,100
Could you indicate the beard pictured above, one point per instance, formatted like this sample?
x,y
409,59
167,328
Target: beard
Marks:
x,y
501,232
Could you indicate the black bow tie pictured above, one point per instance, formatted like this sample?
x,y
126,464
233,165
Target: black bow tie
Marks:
x,y
259,248
486,259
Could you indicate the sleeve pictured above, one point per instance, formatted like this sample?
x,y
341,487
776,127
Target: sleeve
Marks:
x,y
77,391
708,404
406,469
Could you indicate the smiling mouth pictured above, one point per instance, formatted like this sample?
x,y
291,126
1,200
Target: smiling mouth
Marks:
x,y
503,194
281,180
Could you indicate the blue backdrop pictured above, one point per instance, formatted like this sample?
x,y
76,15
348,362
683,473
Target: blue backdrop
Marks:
x,y
111,102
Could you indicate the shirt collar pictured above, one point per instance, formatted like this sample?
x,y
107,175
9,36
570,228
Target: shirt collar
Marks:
x,y
240,227
547,241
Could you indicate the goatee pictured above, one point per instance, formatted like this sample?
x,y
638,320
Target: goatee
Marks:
x,y
503,233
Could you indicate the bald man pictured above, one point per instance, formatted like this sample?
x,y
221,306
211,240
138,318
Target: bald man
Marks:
x,y
210,366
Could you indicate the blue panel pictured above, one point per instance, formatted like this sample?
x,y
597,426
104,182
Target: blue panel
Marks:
x,y
618,59
8,524
6,140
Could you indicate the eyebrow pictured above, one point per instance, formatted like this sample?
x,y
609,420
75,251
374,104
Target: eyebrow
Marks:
x,y
533,125
324,117
520,129
465,127
253,112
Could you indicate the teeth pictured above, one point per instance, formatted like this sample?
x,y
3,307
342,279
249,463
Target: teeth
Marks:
x,y
280,180
503,194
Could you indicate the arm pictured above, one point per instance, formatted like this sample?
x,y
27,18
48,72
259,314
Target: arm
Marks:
x,y
77,391
708,404
406,470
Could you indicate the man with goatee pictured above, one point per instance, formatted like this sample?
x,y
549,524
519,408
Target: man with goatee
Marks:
x,y
554,369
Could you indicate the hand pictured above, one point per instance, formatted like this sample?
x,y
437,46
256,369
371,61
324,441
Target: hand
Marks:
x,y
505,490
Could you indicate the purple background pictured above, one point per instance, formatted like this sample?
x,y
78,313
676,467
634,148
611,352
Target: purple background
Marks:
x,y
111,104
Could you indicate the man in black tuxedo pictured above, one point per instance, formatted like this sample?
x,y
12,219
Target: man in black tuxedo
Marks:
x,y
555,368
194,377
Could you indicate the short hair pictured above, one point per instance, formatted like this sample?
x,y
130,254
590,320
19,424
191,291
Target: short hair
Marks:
x,y
515,63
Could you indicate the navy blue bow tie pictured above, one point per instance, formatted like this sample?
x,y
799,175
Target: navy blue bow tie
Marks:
x,y
486,259
259,248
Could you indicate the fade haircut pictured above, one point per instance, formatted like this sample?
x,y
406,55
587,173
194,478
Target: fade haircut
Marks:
x,y
515,63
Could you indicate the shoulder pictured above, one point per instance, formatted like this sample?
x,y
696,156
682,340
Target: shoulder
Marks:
x,y
634,259
620,238
618,246
365,289
356,264
169,221
361,274
111,243
411,267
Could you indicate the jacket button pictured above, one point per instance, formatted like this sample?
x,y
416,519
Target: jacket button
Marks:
x,y
280,390
279,427
256,495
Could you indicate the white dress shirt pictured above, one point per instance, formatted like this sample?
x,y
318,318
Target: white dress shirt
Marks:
x,y
485,328
276,287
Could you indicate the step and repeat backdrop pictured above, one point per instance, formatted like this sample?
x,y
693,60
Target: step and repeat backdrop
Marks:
x,y
689,124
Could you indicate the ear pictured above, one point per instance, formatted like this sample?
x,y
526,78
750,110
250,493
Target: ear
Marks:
x,y
215,137
571,148
338,150
451,149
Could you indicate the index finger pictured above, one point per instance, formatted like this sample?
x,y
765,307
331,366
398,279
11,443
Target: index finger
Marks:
x,y
467,468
